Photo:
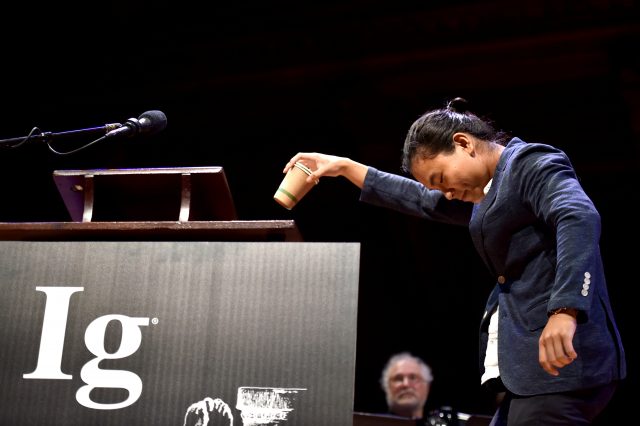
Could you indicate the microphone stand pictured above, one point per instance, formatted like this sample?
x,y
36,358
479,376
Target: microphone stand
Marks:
x,y
49,136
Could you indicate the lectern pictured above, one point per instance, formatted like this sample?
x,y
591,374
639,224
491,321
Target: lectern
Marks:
x,y
156,305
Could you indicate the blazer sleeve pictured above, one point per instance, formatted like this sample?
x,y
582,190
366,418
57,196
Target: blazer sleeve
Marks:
x,y
552,190
411,197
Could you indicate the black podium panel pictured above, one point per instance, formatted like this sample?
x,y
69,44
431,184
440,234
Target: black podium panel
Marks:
x,y
177,333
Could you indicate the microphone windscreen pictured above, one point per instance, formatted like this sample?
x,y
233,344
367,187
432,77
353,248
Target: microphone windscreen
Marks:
x,y
152,121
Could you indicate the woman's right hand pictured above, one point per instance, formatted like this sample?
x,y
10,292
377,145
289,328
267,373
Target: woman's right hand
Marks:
x,y
329,165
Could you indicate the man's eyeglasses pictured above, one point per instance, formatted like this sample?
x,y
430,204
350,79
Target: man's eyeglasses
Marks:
x,y
412,379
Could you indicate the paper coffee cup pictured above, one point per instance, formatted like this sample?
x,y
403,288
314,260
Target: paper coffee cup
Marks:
x,y
294,186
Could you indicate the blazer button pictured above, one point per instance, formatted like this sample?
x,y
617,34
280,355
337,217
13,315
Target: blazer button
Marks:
x,y
502,279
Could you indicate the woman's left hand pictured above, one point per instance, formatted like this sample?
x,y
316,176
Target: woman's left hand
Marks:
x,y
556,342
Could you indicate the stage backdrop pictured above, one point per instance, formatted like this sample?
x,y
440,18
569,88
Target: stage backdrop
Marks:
x,y
177,333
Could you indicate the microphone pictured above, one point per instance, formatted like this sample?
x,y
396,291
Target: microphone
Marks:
x,y
148,123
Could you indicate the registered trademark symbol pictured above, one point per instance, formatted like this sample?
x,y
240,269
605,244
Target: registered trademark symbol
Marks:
x,y
154,320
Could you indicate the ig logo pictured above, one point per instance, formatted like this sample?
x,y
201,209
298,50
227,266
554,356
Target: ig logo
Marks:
x,y
52,341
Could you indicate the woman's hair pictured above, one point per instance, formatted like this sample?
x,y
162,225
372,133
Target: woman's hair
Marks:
x,y
432,133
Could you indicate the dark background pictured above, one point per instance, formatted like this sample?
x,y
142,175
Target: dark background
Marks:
x,y
247,84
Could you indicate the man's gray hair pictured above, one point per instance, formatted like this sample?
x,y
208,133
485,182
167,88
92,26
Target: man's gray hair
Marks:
x,y
424,368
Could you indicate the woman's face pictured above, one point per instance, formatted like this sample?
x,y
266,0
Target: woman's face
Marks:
x,y
460,175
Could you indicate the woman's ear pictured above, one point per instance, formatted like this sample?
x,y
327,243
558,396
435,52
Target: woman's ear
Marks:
x,y
465,141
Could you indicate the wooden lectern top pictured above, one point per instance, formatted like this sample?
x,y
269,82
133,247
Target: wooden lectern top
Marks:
x,y
370,419
219,230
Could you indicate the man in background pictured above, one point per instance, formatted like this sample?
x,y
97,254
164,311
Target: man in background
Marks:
x,y
406,381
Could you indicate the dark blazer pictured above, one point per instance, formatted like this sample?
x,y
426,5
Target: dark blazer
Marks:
x,y
538,233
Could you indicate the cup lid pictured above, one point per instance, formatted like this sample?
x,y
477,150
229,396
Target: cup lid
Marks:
x,y
303,168
306,170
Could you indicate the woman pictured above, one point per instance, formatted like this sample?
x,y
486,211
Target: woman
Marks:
x,y
548,335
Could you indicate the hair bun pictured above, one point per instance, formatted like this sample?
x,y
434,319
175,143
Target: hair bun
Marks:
x,y
459,105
